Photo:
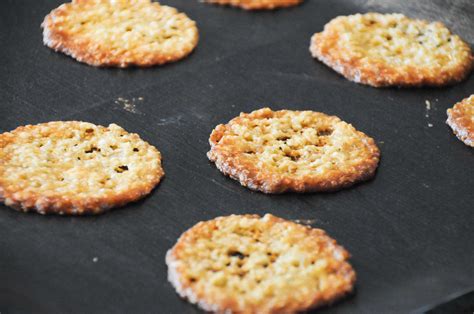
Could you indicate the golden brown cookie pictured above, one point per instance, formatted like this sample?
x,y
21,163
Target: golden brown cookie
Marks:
x,y
292,151
75,168
392,50
461,120
251,264
257,4
120,33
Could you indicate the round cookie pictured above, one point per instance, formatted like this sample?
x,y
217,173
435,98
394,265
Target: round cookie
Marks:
x,y
461,120
120,33
252,264
292,151
257,4
392,50
75,168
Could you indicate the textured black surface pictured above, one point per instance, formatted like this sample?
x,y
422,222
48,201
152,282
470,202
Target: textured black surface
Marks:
x,y
410,230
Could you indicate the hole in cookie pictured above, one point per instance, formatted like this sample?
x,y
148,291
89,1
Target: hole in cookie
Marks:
x,y
89,131
192,279
283,138
113,147
236,254
388,37
92,149
121,169
78,158
295,263
265,265
293,156
325,132
136,149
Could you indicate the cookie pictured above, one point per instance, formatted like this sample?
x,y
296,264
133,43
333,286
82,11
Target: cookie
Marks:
x,y
392,50
292,151
75,168
461,120
257,4
252,264
120,33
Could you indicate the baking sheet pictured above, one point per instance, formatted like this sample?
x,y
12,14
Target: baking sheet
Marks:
x,y
409,230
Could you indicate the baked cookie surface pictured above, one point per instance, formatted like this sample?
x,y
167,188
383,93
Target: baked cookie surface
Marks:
x,y
292,151
75,167
461,120
257,4
120,33
252,264
392,50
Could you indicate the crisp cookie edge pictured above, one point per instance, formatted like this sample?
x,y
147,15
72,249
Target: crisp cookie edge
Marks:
x,y
460,124
370,75
187,293
252,178
70,206
256,6
62,42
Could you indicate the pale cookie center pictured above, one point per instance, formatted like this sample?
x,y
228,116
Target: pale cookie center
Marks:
x,y
256,263
299,145
130,26
400,42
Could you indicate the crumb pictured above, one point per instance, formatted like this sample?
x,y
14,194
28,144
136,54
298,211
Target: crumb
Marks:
x,y
95,259
428,108
430,125
128,105
305,221
428,104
